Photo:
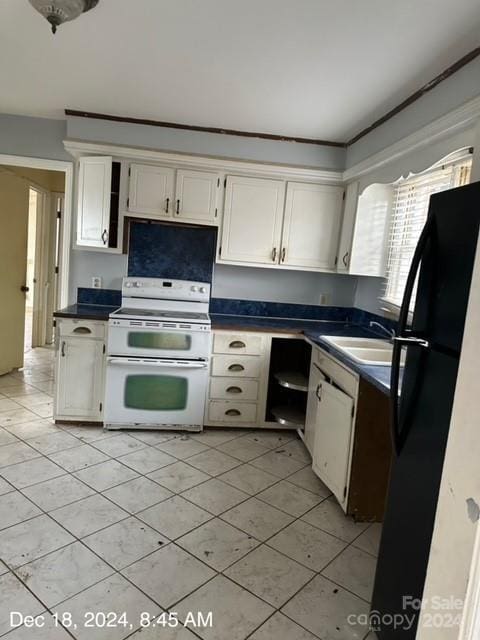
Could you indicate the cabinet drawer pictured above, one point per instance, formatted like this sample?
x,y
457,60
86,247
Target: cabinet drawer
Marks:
x,y
237,367
80,328
244,343
233,389
235,412
345,379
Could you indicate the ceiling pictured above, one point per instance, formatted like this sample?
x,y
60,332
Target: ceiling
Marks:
x,y
309,68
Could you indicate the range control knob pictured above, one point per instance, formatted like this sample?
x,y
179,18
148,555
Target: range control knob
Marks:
x,y
194,288
203,290
138,284
128,284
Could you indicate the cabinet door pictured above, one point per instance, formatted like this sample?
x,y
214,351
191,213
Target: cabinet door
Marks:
x,y
151,190
80,369
311,227
348,224
331,452
93,212
314,381
370,237
252,223
196,196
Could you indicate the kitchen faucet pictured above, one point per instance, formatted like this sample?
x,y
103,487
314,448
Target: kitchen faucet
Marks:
x,y
390,332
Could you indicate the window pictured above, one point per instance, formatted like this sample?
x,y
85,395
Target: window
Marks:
x,y
409,213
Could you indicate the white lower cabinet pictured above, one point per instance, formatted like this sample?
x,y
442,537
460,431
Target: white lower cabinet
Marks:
x,y
333,438
80,370
330,422
238,379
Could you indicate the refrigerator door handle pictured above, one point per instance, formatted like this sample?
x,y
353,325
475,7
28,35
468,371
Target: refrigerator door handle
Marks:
x,y
405,340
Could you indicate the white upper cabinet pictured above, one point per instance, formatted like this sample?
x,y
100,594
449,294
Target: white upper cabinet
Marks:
x,y
363,246
196,196
348,223
252,223
151,190
93,210
311,226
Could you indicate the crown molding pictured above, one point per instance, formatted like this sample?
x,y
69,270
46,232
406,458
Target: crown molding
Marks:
x,y
454,121
78,148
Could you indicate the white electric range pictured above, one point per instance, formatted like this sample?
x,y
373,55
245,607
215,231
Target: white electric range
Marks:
x,y
159,345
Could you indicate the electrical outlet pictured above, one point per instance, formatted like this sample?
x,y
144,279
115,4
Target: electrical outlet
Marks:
x,y
323,298
97,282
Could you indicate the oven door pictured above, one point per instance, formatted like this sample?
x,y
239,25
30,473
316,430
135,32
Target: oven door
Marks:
x,y
158,341
149,393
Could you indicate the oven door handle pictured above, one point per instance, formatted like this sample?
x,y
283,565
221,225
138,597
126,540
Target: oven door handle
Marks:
x,y
158,363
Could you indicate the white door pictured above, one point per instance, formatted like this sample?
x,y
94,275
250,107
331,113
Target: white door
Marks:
x,y
315,379
348,224
311,228
196,196
331,453
79,375
252,223
93,213
151,190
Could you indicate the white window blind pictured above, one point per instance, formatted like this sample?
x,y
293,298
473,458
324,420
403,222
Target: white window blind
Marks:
x,y
409,213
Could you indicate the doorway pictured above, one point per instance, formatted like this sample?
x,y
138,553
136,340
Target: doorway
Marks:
x,y
31,204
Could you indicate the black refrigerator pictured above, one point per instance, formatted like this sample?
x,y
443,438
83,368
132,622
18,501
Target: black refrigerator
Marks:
x,y
421,413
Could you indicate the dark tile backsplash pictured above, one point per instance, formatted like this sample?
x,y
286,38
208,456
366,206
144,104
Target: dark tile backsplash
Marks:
x,y
159,250
109,297
279,310
228,306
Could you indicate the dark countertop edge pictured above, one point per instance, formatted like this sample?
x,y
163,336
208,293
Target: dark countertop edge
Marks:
x,y
379,375
83,311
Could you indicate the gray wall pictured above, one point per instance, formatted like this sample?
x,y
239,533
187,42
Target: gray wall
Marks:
x,y
33,137
449,94
367,294
246,283
301,287
207,144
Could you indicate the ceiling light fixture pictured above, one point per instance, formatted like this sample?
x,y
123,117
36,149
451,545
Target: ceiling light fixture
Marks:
x,y
59,11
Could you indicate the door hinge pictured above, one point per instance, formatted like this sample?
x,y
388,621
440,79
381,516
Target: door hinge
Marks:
x,y
59,214
343,197
216,212
225,182
101,406
336,260
218,182
56,270
103,348
353,411
345,492
128,202
129,171
220,252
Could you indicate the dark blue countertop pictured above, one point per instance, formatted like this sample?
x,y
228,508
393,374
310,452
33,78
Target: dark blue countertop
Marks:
x,y
313,330
85,311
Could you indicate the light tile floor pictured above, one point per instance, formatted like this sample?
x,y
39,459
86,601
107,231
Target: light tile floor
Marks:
x,y
228,521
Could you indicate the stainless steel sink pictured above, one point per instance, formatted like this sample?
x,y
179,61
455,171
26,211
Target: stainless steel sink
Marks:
x,y
371,351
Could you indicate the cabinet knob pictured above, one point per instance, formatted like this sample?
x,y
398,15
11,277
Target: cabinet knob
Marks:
x,y
233,412
345,259
63,348
178,207
274,254
237,344
83,330
105,236
234,389
284,251
236,367
167,205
